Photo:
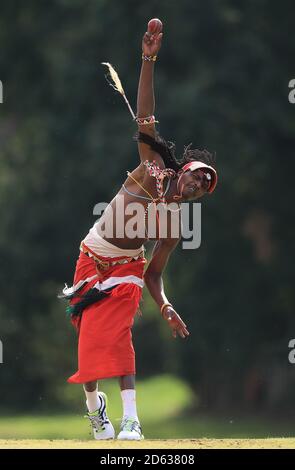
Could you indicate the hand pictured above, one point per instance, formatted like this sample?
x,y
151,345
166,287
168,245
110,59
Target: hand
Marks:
x,y
151,43
175,322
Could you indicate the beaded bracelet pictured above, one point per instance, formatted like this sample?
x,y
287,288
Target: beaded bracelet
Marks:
x,y
149,58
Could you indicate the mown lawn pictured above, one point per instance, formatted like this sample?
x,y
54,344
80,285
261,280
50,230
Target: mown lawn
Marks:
x,y
163,404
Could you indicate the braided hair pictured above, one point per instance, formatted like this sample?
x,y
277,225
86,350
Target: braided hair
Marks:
x,y
167,151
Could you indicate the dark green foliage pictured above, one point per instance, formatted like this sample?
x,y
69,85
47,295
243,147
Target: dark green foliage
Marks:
x,y
66,143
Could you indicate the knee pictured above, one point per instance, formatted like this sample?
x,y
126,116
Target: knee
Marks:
x,y
90,386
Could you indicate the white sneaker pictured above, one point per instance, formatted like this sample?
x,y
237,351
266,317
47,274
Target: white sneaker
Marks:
x,y
100,423
130,430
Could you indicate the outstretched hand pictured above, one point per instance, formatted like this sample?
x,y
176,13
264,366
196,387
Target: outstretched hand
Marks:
x,y
175,323
151,43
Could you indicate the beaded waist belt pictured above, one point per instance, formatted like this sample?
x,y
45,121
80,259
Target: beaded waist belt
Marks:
x,y
103,263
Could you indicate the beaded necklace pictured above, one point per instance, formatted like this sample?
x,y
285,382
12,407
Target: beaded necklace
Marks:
x,y
158,173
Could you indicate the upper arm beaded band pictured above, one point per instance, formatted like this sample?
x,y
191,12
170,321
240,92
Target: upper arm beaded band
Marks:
x,y
141,121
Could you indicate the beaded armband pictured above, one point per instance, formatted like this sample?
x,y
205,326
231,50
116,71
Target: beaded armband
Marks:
x,y
145,120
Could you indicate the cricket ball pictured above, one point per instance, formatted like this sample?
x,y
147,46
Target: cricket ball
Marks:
x,y
155,26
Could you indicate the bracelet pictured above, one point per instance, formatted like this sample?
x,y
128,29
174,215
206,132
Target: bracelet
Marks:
x,y
164,306
149,58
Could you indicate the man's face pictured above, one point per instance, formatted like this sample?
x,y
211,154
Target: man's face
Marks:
x,y
195,184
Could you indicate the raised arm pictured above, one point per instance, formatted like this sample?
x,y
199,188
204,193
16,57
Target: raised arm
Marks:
x,y
154,282
151,45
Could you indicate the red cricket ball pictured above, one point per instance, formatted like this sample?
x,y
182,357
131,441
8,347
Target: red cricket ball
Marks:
x,y
155,26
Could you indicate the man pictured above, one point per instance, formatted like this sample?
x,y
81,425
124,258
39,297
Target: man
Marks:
x,y
110,270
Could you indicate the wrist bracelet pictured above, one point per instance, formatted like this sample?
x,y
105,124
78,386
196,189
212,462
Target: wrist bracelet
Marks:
x,y
149,58
164,306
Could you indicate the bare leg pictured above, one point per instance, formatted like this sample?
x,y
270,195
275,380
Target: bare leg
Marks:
x,y
90,386
127,382
92,399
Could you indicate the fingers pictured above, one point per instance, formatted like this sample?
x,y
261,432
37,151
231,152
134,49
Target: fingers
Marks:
x,y
186,332
149,38
159,38
177,318
182,332
176,324
182,325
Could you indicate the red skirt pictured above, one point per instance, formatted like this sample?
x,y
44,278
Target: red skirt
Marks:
x,y
105,346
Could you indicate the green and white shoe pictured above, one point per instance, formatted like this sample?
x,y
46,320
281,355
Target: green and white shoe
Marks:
x,y
100,423
130,430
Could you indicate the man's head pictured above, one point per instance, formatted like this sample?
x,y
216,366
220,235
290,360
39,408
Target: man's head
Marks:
x,y
192,169
195,178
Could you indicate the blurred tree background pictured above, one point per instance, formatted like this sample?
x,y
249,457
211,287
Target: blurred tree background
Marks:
x,y
221,82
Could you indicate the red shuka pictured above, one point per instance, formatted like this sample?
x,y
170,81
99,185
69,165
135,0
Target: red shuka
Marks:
x,y
105,346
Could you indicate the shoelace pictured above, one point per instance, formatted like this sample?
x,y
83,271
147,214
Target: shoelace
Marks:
x,y
129,424
98,420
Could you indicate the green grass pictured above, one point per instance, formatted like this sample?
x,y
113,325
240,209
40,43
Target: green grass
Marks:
x,y
159,400
73,427
163,404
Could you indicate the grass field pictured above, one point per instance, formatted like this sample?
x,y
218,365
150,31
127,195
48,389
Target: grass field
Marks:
x,y
163,404
59,427
282,443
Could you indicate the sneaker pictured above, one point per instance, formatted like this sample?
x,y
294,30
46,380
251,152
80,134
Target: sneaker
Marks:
x,y
130,430
100,423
